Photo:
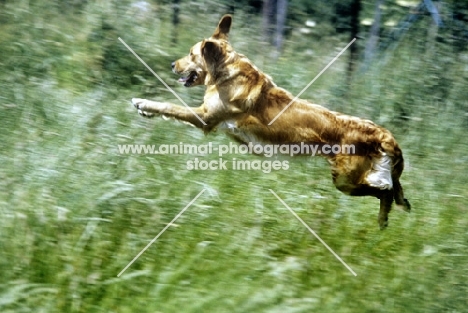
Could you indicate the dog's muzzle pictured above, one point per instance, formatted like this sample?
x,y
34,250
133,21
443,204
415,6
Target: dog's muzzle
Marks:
x,y
188,78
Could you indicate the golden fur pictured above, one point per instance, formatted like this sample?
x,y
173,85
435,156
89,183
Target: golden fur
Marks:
x,y
242,100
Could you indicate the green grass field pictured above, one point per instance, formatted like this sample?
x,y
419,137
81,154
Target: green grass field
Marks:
x,y
75,212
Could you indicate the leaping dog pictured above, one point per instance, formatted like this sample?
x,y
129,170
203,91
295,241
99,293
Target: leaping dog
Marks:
x,y
242,100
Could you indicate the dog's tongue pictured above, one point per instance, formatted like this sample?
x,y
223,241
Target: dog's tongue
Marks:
x,y
183,79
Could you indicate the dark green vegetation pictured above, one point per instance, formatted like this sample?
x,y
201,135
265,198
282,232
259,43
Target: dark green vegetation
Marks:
x,y
74,212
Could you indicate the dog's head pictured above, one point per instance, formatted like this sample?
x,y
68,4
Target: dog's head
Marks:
x,y
195,68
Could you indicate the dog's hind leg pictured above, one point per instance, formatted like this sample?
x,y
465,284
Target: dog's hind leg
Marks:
x,y
386,200
385,197
365,176
400,200
399,197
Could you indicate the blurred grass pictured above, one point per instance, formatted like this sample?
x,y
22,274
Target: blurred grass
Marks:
x,y
74,211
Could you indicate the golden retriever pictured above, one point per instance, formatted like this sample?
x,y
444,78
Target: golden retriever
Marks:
x,y
243,101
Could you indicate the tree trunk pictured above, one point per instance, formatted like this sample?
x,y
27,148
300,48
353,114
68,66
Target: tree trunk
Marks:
x,y
281,12
268,11
175,20
374,34
355,10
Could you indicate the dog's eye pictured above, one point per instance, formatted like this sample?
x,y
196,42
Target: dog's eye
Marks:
x,y
190,54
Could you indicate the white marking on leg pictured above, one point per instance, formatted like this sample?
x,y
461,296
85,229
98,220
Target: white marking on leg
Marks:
x,y
381,174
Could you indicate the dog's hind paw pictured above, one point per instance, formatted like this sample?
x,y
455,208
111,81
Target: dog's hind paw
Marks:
x,y
383,223
406,206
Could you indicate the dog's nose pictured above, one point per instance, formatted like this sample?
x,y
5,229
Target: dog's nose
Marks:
x,y
173,65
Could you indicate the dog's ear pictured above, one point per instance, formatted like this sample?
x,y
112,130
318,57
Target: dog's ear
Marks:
x,y
224,25
211,52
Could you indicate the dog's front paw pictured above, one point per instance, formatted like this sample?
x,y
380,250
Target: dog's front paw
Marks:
x,y
145,114
139,104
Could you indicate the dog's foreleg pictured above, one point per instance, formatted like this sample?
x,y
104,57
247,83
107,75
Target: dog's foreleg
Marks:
x,y
149,108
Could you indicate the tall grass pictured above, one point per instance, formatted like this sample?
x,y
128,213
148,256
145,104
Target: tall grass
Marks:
x,y
75,212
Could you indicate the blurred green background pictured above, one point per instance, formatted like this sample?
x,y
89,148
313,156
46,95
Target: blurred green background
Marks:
x,y
75,212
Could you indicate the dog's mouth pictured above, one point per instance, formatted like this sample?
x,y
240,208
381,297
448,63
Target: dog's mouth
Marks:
x,y
189,79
